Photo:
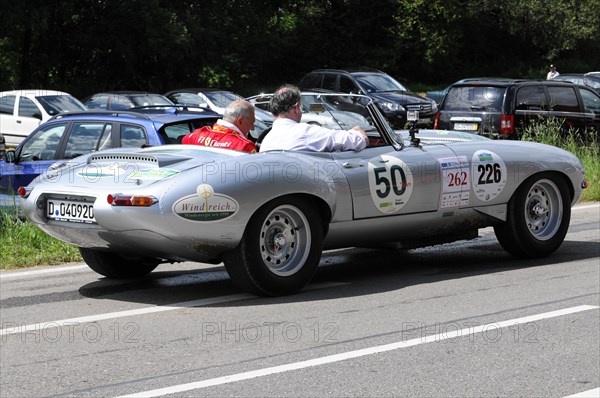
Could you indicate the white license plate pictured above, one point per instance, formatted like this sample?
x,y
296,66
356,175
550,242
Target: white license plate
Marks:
x,y
70,210
465,126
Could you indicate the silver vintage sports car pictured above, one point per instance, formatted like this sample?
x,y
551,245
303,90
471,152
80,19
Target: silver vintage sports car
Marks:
x,y
269,215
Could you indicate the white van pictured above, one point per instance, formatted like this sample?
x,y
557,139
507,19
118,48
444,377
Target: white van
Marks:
x,y
21,111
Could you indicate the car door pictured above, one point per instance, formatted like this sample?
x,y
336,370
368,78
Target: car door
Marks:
x,y
19,116
564,104
29,115
8,121
33,157
386,182
591,104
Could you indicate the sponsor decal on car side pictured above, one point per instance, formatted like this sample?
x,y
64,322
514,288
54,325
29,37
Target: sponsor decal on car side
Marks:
x,y
489,175
456,181
390,183
205,205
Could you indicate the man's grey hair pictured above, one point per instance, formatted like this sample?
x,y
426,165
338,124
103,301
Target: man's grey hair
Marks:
x,y
236,109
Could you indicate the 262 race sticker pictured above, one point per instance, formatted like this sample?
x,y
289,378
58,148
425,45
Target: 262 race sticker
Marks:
x,y
489,175
456,181
390,183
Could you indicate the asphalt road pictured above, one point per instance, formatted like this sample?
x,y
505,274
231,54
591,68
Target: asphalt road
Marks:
x,y
463,319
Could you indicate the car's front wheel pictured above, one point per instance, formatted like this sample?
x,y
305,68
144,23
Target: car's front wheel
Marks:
x,y
538,217
115,266
280,250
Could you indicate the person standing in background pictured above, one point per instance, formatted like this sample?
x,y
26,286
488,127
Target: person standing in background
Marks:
x,y
552,73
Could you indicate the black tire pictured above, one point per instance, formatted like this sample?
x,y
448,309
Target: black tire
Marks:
x,y
115,266
280,250
538,217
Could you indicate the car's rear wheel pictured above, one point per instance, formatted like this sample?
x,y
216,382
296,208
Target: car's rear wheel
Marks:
x,y
280,250
538,217
115,266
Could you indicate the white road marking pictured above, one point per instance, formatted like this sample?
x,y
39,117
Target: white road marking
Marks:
x,y
15,328
68,268
355,354
595,393
583,207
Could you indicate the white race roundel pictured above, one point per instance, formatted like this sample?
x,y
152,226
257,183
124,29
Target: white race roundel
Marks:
x,y
390,183
489,175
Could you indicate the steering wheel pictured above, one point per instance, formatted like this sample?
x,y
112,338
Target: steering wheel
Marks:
x,y
261,137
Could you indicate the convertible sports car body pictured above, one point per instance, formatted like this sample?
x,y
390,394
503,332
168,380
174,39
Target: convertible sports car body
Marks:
x,y
269,215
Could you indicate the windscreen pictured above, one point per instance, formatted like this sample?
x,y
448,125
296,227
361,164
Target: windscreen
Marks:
x,y
222,98
378,83
55,104
474,98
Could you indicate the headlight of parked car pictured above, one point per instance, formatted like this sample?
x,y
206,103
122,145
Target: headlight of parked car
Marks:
x,y
391,107
434,106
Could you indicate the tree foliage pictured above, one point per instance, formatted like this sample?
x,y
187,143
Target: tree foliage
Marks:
x,y
85,46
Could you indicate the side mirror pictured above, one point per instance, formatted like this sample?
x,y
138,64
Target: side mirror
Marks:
x,y
10,156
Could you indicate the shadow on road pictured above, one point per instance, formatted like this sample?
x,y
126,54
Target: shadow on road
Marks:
x,y
353,272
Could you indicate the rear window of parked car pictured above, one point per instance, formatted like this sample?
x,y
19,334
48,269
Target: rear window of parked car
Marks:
x,y
474,98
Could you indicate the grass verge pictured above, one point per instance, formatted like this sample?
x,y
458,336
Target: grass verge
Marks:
x,y
584,145
24,245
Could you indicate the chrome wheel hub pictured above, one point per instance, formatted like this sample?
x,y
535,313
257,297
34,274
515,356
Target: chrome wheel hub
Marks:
x,y
285,240
543,209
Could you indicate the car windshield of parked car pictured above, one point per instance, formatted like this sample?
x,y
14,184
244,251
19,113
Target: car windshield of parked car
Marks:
x,y
593,82
42,145
54,104
222,98
149,100
474,98
378,83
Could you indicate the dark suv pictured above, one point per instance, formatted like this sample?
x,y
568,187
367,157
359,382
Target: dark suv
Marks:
x,y
503,108
391,97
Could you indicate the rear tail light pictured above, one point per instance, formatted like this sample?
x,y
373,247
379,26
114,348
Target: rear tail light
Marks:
x,y
130,200
436,121
507,124
24,192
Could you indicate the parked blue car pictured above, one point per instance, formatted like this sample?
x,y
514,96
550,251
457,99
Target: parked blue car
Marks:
x,y
66,136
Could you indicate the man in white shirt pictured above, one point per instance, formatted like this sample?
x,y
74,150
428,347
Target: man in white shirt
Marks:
x,y
289,134
552,73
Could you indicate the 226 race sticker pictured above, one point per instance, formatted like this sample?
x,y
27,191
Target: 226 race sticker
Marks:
x,y
489,175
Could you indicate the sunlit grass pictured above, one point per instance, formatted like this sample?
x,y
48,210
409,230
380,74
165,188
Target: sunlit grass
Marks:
x,y
24,245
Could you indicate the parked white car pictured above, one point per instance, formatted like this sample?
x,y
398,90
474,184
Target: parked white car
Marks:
x,y
21,111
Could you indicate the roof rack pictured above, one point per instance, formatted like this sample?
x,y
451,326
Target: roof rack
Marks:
x,y
182,107
101,113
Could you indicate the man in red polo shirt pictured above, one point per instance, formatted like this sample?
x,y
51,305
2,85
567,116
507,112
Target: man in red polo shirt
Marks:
x,y
230,132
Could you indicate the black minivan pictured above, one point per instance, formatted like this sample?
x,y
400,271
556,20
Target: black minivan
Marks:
x,y
502,108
